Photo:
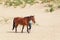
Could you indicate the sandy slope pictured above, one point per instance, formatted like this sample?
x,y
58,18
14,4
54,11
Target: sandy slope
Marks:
x,y
48,27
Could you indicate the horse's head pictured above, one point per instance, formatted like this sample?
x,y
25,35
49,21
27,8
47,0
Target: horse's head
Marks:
x,y
32,18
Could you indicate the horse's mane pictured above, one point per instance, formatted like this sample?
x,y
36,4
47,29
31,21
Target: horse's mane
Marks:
x,y
28,16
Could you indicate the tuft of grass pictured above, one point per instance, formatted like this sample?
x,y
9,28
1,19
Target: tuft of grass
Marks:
x,y
16,3
51,9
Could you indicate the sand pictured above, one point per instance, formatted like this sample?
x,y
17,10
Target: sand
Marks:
x,y
47,25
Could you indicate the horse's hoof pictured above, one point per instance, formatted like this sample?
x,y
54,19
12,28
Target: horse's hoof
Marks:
x,y
28,32
21,32
16,32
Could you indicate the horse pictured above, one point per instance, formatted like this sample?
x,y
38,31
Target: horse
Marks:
x,y
22,21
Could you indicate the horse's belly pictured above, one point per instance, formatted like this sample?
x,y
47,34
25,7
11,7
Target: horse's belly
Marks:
x,y
23,23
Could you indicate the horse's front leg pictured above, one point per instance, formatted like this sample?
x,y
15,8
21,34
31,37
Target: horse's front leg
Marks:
x,y
30,26
22,29
28,29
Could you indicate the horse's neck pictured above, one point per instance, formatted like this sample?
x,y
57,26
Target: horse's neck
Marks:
x,y
28,20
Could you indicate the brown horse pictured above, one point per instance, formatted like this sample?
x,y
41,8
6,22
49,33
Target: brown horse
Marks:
x,y
22,21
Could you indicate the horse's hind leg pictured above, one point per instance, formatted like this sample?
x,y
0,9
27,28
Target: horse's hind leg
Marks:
x,y
13,25
22,29
15,29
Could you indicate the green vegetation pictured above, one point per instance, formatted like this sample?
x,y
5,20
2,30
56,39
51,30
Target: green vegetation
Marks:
x,y
52,4
16,3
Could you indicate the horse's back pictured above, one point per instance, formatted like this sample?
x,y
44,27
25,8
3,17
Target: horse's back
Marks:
x,y
20,20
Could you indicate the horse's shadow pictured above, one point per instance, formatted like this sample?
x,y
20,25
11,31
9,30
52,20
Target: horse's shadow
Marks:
x,y
15,32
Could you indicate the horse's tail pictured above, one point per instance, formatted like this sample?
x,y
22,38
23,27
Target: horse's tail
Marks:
x,y
13,25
